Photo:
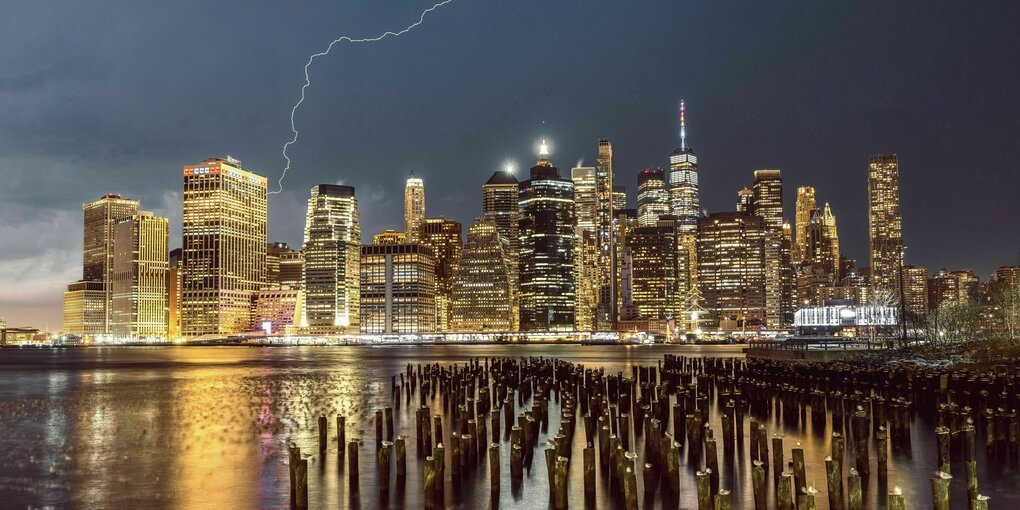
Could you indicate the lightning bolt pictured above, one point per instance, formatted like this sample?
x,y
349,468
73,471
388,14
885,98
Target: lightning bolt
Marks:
x,y
308,81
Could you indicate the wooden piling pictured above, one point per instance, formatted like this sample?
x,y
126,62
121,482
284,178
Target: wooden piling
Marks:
x,y
589,470
494,468
806,500
722,500
854,497
341,434
895,501
799,471
401,448
383,461
352,464
323,430
784,491
301,479
940,490
704,490
758,485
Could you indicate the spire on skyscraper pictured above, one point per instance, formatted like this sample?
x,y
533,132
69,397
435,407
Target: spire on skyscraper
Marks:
x,y
543,154
683,130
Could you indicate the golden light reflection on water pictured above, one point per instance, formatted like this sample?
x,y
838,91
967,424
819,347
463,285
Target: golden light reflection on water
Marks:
x,y
207,427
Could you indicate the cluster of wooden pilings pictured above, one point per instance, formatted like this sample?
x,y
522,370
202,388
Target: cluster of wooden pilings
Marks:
x,y
653,423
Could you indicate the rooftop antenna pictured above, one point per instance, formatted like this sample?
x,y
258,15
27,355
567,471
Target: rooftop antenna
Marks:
x,y
683,130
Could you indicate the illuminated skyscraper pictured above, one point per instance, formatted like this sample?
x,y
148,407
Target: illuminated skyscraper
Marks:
x,y
443,236
84,308
546,230
731,269
619,198
768,198
767,203
174,287
606,310
332,258
587,252
499,205
585,197
653,253
832,237
683,182
414,207
652,198
915,290
274,252
885,225
745,201
821,243
398,289
224,227
483,297
140,267
100,219
801,217
292,267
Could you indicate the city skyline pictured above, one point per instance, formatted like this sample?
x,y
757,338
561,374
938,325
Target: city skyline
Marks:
x,y
823,144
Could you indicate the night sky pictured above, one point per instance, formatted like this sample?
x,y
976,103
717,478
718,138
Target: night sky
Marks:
x,y
115,97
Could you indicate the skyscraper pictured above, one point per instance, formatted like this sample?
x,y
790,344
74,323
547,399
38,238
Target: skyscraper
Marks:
x,y
801,217
546,230
483,294
224,227
768,198
731,268
606,235
414,207
683,182
885,225
585,197
100,219
283,266
84,309
587,248
653,254
398,289
652,198
499,205
444,237
745,200
915,290
332,257
767,204
140,267
832,237
619,198
174,287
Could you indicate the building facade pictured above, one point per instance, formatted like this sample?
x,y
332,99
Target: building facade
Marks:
x,y
885,224
445,239
654,272
224,257
398,289
414,207
140,272
731,269
100,218
684,201
331,273
806,203
484,298
85,308
652,198
546,258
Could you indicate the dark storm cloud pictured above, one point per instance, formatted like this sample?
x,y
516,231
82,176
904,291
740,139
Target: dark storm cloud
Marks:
x,y
99,97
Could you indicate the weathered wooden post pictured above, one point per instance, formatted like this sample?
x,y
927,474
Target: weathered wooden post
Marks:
x,y
942,440
722,500
383,456
784,491
834,484
777,458
882,447
341,435
352,464
293,456
430,482
896,501
940,490
806,501
799,472
494,468
401,447
981,502
323,430
378,428
704,490
389,423
589,471
758,485
301,478
970,459
560,482
854,498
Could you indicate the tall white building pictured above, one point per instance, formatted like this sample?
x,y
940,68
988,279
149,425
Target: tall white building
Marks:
x,y
332,261
414,208
683,183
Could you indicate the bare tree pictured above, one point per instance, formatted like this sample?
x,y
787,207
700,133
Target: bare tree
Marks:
x,y
1006,300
